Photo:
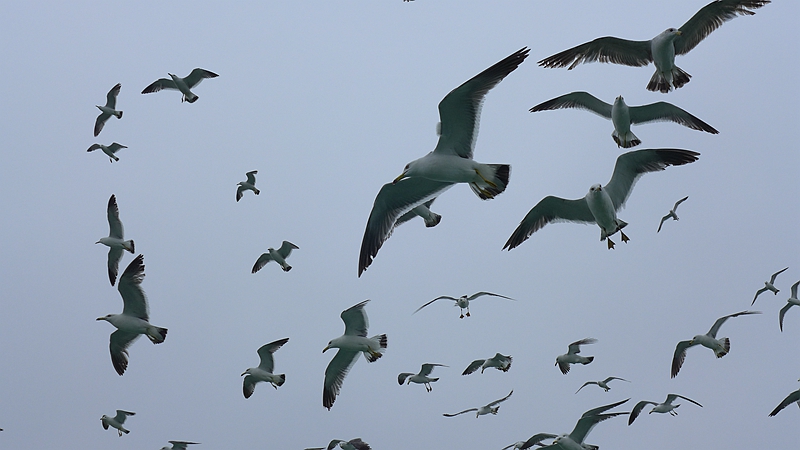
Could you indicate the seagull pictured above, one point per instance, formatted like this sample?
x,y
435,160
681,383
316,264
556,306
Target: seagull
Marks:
x,y
108,150
769,285
278,256
108,110
601,204
498,361
353,341
449,163
463,301
420,378
721,347
660,50
574,440
181,84
793,300
264,370
487,409
117,421
353,444
572,357
115,241
672,213
623,116
250,184
178,445
666,407
536,439
603,384
134,318
791,398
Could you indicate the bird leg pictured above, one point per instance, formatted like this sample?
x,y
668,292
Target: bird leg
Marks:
x,y
610,244
119,432
624,238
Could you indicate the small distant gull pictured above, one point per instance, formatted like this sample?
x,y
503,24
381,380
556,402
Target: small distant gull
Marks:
x,y
491,408
264,370
666,407
672,213
769,285
623,116
601,204
791,301
249,185
108,150
178,445
133,321
793,397
660,50
353,444
603,384
498,361
463,301
709,340
574,440
572,357
115,241
449,163
181,84
108,110
279,256
536,439
117,421
350,344
420,378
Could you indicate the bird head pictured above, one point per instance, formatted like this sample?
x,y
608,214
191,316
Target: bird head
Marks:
x,y
405,173
595,188
106,317
246,372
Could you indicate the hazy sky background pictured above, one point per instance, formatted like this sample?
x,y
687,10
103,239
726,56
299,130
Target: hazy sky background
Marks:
x,y
328,101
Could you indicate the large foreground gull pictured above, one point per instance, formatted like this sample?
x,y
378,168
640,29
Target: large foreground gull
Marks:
x,y
352,444
623,116
449,163
420,378
115,241
109,150
672,213
793,397
463,301
666,407
108,110
117,421
350,344
498,361
601,203
264,370
134,320
572,357
709,340
791,301
279,256
574,440
769,285
178,445
181,84
602,383
660,50
491,408
249,185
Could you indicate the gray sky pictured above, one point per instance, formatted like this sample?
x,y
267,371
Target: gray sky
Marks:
x,y
328,101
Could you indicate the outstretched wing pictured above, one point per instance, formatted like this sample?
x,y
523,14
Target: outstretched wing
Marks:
x,y
251,177
130,288
265,353
100,122
585,384
536,439
501,400
604,49
715,328
198,75
580,100
638,409
775,275
286,249
791,398
473,366
401,378
122,415
355,320
461,412
334,375
575,347
549,209
261,262
437,298
118,346
679,356
114,224
671,398
663,111
427,368
111,97
482,293
159,84
711,17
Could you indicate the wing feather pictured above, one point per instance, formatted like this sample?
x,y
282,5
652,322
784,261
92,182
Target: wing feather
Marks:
x,y
355,320
114,224
604,49
549,209
198,75
265,353
663,111
679,356
334,375
159,84
130,288
580,100
711,17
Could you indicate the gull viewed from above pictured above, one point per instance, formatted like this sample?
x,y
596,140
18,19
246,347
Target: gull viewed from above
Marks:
x,y
666,407
117,421
115,241
603,384
108,110
672,213
449,163
623,116
181,84
352,444
791,301
572,357
264,370
769,285
793,397
601,203
420,378
574,440
249,185
178,445
660,50
109,150
491,408
498,361
463,301
279,256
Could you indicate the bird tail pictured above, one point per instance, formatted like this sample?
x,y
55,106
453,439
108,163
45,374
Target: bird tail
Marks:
x,y
256,191
286,267
129,246
494,184
190,98
660,83
118,114
588,360
281,380
433,220
431,380
628,140
373,355
159,336
124,430
726,347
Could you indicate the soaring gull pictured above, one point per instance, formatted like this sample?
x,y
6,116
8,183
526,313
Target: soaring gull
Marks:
x,y
178,445
660,50
463,301
264,370
498,361
279,256
420,378
449,163
572,357
181,84
249,185
671,213
117,421
601,203
603,383
791,301
352,444
108,110
769,285
109,150
666,407
574,440
536,439
115,241
491,408
793,397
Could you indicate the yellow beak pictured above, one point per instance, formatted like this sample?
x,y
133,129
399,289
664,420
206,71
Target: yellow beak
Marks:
x,y
402,175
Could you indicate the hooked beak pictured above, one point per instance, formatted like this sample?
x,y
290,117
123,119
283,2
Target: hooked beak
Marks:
x,y
243,374
402,175
325,349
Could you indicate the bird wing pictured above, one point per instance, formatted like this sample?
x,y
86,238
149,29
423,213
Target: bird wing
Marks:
x,y
585,384
261,261
114,255
251,177
679,356
638,409
473,366
715,328
239,192
663,219
114,147
549,209
181,445
602,409
675,208
249,386
437,298
563,367
122,415
358,444
614,378
536,439
286,249
101,120
794,289
502,359
427,368
783,313
581,100
111,97
130,288
114,224
586,423
460,110
265,353
197,75
159,84
575,347
775,275
355,320
94,147
118,346
479,294
758,292
461,412
663,111
709,18
604,49
334,375
501,400
791,398
411,214
671,398
402,377
105,424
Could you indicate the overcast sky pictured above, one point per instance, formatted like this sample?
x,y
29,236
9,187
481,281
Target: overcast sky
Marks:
x,y
329,101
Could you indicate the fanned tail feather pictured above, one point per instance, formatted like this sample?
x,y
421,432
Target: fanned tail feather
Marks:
x,y
280,381
726,347
373,356
433,220
589,358
159,337
627,141
659,83
500,175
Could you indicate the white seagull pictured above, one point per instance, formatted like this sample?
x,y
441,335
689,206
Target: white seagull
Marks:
x,y
793,397
352,444
133,321
117,421
709,340
109,150
498,361
279,256
769,285
623,116
449,163
491,408
536,439
115,241
420,378
601,203
264,370
660,50
463,301
178,445
572,357
574,440
603,384
672,213
350,344
250,185
108,110
181,84
666,407
791,301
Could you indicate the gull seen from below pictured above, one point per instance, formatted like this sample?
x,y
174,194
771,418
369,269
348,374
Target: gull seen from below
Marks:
x,y
536,439
791,301
178,445
109,150
666,407
264,370
498,361
181,84
491,408
572,357
279,256
117,421
249,185
603,384
574,440
463,301
793,397
769,285
672,213
115,241
420,378
352,444
108,110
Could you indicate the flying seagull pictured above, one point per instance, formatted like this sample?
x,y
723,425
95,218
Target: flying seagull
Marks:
x,y
601,204
449,163
793,397
178,445
181,84
666,407
264,370
791,301
572,357
491,408
352,444
536,439
109,150
463,301
115,241
133,321
769,285
498,361
420,378
350,344
250,185
108,110
623,116
574,440
603,384
117,421
672,213
279,256
660,50
709,340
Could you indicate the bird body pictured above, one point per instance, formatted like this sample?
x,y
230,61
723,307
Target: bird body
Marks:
x,y
264,370
117,421
115,240
602,383
572,357
250,185
184,85
672,213
463,301
178,445
108,110
279,256
769,285
109,150
421,377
